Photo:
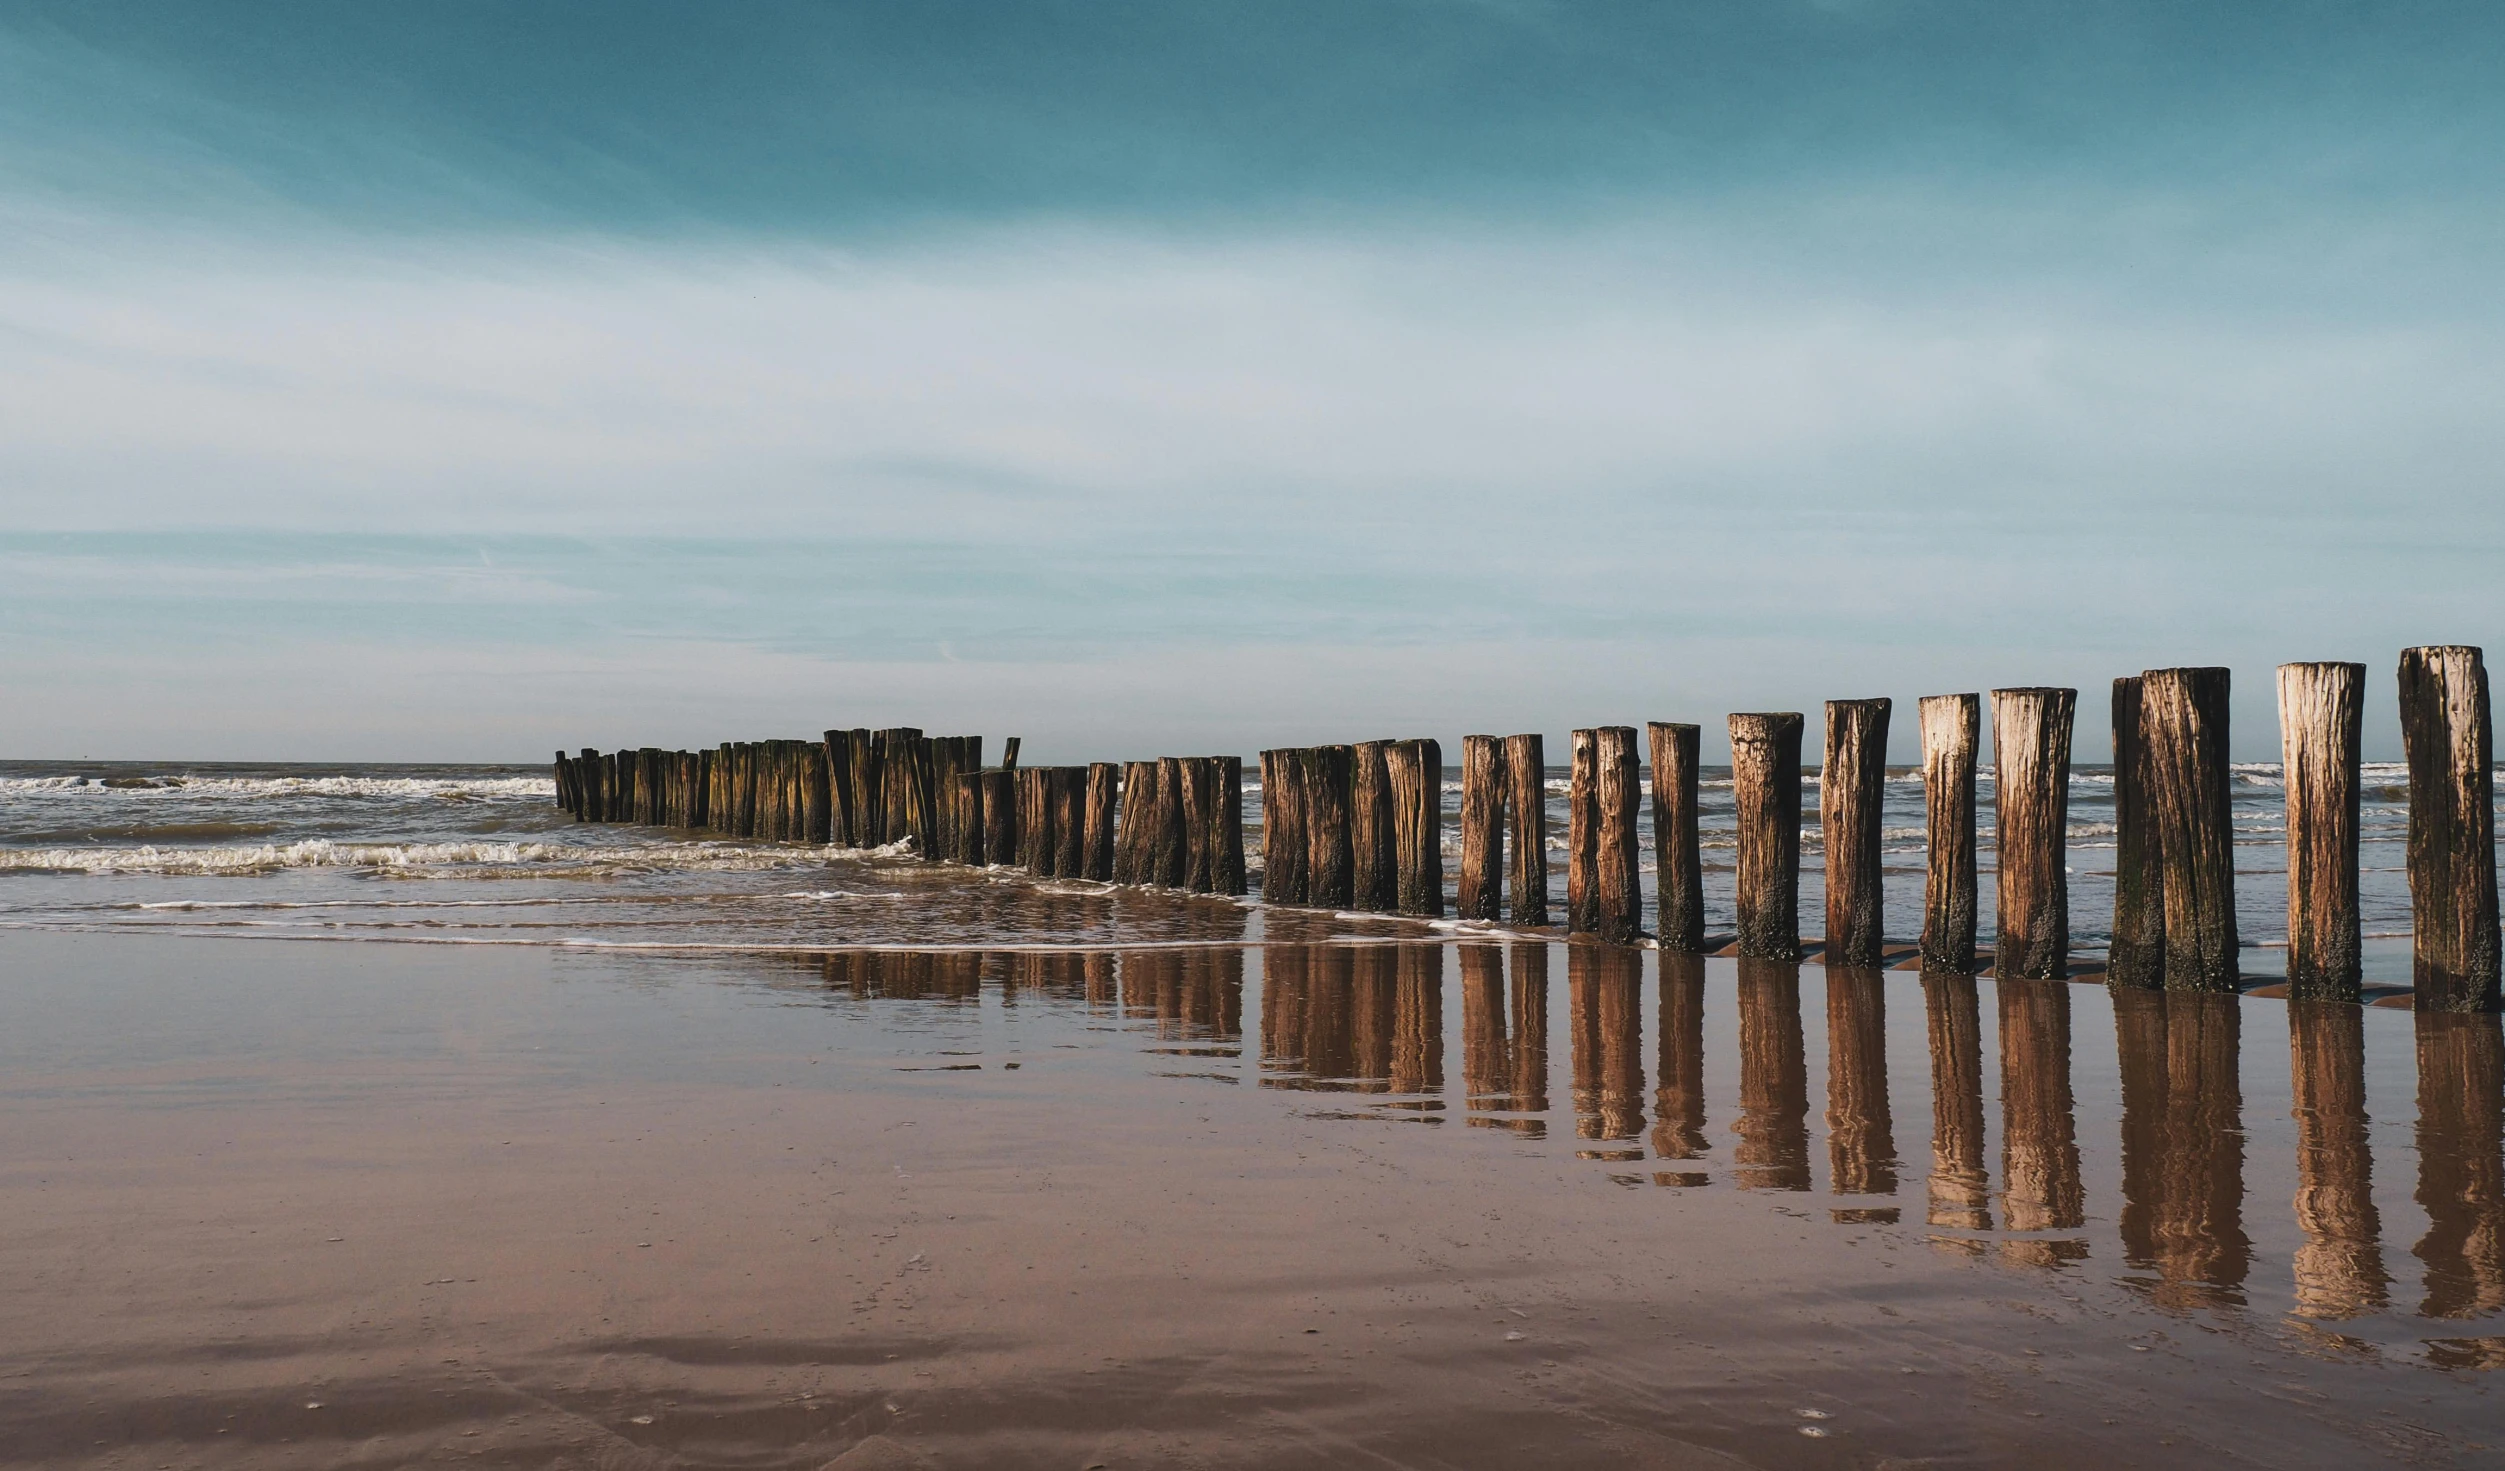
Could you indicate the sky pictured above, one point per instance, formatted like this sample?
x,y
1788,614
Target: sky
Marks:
x,y
460,381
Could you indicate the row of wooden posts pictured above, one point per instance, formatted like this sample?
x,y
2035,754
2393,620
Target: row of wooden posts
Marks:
x,y
1177,822
1359,826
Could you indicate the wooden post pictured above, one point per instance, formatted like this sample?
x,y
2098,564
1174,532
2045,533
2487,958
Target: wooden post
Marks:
x,y
1582,833
1678,856
1328,880
945,764
842,804
968,798
1617,871
2183,716
1069,821
1765,790
1168,857
1373,885
1526,824
1200,803
1284,851
1416,771
2137,954
1037,846
1226,841
1480,891
592,792
869,779
1135,829
1002,842
1852,783
2452,827
2321,721
1102,780
819,803
2031,813
744,800
565,782
1952,729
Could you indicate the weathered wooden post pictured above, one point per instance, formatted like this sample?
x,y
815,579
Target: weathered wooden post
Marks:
x,y
1479,893
1526,831
841,803
1103,778
2031,814
592,791
972,842
2183,714
869,778
2452,827
1617,900
946,762
1003,842
1069,821
1038,845
1168,851
1226,843
818,799
1765,790
1372,865
1134,832
1284,850
1952,729
1200,801
2137,954
565,782
1582,832
1329,881
1852,783
746,798
1678,857
2321,722
1416,769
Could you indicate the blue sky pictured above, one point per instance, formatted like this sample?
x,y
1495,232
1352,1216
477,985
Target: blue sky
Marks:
x,y
457,381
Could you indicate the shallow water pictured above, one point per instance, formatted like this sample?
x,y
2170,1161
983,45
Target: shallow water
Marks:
x,y
1391,1202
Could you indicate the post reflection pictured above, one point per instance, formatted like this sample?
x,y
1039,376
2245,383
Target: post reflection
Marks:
x,y
905,975
2040,1187
1501,1048
1960,1191
2183,1145
2339,1267
1861,1135
1773,1122
2461,1163
1418,1021
1604,987
1679,1103
1352,1019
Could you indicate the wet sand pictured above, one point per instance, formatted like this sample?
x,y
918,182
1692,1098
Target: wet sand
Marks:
x,y
273,1204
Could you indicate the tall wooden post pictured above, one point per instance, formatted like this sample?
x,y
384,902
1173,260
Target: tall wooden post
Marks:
x,y
1167,853
1038,844
1952,729
1135,831
2452,827
2183,713
593,791
1479,893
1526,831
2031,815
1069,821
1102,778
1328,879
1226,842
1284,850
869,779
1200,802
1678,859
2321,720
1003,843
841,803
1765,790
818,796
2137,953
1617,870
1372,885
1583,833
1852,782
973,842
1416,773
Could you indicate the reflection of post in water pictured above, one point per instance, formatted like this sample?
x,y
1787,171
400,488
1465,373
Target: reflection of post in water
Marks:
x,y
1418,1028
1486,1061
1530,1035
1329,1048
908,975
2461,1162
1373,1014
2039,1133
1861,1136
2339,1269
1285,987
2183,1143
1103,990
1604,986
1960,1192
1773,1125
1680,1101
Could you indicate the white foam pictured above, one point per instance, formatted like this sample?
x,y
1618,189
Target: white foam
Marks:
x,y
178,786
466,859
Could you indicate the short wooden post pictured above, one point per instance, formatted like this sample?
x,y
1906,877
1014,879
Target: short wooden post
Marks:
x,y
2031,812
869,777
1952,729
1526,831
1480,890
1678,855
591,791
1373,884
1200,801
1038,846
2136,956
1582,832
1617,871
1852,783
818,797
1003,843
1134,826
744,800
1416,771
1167,854
2321,723
1069,821
972,841
1009,754
1103,779
565,782
1284,850
2183,713
2452,827
1765,791
946,762
1226,842
1328,877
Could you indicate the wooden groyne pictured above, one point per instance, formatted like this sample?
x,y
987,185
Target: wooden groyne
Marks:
x,y
1360,827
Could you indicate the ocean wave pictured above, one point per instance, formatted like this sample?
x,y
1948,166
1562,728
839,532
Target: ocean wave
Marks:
x,y
465,859
177,785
